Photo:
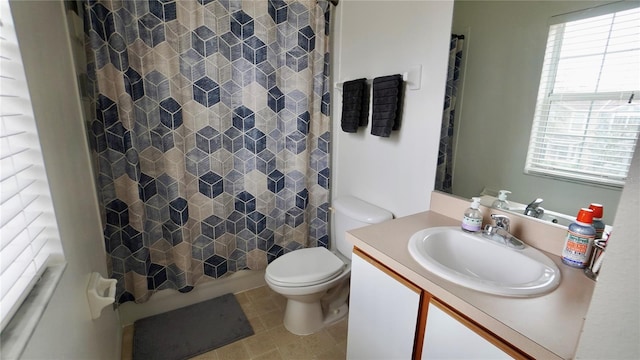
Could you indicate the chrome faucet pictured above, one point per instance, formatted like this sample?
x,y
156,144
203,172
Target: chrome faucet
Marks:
x,y
534,209
502,221
500,232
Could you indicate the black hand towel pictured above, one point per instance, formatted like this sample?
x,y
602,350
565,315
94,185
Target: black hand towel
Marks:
x,y
355,105
387,100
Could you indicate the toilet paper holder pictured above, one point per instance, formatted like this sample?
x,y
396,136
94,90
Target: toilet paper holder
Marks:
x,y
101,292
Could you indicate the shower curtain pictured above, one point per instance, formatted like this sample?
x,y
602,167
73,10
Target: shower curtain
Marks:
x,y
444,170
210,135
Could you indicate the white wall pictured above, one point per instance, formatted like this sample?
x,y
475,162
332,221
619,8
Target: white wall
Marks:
x,y
66,330
377,38
612,326
505,51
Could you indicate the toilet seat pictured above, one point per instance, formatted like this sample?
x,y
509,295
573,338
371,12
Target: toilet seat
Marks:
x,y
304,267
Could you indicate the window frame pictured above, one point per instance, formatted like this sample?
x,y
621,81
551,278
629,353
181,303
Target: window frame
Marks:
x,y
25,190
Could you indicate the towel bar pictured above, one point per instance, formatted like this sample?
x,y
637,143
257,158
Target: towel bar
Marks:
x,y
412,78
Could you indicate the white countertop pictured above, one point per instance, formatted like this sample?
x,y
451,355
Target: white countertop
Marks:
x,y
544,327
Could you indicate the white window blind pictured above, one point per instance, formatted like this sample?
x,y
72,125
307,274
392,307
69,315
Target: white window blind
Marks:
x,y
29,239
587,117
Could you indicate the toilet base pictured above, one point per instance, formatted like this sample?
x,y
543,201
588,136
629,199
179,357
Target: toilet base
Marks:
x,y
336,315
303,318
306,318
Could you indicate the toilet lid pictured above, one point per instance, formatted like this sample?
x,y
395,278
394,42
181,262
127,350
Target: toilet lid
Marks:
x,y
305,267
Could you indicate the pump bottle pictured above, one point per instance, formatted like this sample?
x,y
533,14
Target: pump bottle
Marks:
x,y
501,202
472,219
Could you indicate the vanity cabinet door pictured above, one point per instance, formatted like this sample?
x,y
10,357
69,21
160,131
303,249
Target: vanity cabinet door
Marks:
x,y
448,338
383,312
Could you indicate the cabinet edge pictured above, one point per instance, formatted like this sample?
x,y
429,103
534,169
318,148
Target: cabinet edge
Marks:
x,y
366,257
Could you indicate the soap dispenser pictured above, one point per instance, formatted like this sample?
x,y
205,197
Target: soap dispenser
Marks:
x,y
501,202
472,219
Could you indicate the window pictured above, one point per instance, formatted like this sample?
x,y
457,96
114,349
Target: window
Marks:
x,y
587,116
29,239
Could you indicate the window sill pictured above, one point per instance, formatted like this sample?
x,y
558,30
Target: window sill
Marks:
x,y
16,334
594,183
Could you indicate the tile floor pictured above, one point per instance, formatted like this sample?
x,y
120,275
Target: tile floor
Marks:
x,y
265,310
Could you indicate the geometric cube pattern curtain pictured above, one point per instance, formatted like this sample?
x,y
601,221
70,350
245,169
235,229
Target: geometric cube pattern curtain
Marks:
x,y
444,170
210,135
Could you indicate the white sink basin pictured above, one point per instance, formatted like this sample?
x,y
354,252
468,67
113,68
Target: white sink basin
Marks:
x,y
475,262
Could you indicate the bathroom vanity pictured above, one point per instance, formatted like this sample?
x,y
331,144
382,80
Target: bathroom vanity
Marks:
x,y
401,310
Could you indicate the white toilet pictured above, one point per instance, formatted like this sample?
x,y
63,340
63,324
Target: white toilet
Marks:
x,y
315,280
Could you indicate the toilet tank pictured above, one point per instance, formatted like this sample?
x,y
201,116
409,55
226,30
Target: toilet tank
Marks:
x,y
352,213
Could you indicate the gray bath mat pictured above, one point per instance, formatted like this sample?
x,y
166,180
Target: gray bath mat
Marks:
x,y
191,330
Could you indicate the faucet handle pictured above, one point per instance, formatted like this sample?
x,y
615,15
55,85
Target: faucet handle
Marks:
x,y
502,221
535,203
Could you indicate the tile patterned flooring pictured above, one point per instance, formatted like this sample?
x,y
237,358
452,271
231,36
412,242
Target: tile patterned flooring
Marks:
x,y
265,310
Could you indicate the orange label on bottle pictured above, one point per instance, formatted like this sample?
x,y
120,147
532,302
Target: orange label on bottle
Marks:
x,y
576,249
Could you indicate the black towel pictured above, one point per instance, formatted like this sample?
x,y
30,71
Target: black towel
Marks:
x,y
387,100
355,105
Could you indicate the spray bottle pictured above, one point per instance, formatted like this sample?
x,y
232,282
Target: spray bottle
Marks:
x,y
597,219
580,236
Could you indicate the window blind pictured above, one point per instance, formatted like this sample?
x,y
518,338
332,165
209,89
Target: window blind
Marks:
x,y
29,239
587,117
